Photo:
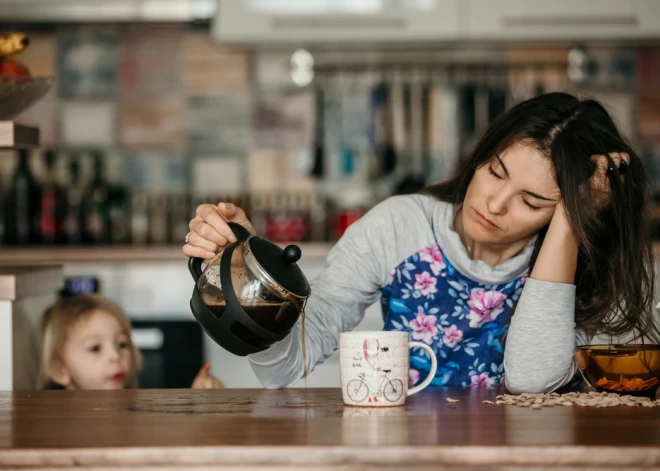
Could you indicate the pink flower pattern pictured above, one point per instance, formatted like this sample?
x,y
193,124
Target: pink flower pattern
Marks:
x,y
452,336
433,302
424,327
482,381
433,256
485,306
426,283
413,377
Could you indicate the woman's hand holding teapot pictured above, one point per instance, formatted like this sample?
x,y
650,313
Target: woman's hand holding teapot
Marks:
x,y
209,232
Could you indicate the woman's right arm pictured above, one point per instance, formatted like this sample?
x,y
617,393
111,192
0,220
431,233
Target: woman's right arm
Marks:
x,y
351,280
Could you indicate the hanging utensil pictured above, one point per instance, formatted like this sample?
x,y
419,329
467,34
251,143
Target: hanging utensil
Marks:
x,y
387,155
426,132
318,168
411,181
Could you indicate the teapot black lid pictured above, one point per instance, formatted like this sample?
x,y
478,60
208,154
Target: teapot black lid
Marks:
x,y
280,265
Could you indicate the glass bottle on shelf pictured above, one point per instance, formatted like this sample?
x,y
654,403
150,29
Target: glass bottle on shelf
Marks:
x,y
51,199
179,211
139,218
97,206
158,224
73,205
120,225
22,204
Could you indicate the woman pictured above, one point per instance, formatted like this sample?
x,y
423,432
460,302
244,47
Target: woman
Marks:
x,y
547,217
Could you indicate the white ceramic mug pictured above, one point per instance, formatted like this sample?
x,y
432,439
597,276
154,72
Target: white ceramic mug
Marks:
x,y
374,368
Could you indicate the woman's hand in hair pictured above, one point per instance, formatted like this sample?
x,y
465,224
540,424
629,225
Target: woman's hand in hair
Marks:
x,y
557,259
600,180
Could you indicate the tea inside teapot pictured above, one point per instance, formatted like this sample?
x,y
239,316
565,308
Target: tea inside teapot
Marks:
x,y
274,317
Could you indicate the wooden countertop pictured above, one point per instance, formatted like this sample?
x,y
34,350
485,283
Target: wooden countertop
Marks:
x,y
311,429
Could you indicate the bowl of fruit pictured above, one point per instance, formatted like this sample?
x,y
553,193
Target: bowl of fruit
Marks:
x,y
18,88
624,369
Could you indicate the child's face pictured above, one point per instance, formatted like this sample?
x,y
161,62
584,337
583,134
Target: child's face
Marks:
x,y
96,354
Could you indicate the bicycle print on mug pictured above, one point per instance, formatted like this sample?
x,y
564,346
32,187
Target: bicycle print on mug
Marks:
x,y
374,368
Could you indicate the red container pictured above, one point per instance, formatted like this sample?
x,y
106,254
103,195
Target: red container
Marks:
x,y
342,218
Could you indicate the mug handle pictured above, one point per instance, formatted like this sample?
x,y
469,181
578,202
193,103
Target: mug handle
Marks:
x,y
434,367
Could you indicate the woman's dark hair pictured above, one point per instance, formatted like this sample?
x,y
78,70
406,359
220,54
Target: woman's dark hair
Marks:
x,y
615,271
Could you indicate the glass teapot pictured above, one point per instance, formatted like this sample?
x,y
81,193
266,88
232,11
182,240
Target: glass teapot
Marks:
x,y
250,295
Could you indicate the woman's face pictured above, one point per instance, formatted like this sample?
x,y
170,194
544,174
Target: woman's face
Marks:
x,y
511,197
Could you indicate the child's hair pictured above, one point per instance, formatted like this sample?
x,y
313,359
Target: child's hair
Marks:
x,y
58,319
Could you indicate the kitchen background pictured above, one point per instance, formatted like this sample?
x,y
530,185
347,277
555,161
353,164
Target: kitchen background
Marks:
x,y
155,109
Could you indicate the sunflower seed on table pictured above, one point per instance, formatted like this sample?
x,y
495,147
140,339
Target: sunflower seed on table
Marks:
x,y
590,399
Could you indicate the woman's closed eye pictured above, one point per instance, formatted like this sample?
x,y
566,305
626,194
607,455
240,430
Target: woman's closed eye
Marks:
x,y
531,206
499,177
493,173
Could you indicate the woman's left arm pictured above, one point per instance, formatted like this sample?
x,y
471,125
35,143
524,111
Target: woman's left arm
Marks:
x,y
540,349
540,346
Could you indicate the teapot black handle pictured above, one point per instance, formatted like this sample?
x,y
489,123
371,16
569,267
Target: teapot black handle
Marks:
x,y
195,267
195,263
239,231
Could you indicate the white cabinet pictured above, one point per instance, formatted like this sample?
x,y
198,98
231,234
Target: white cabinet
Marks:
x,y
559,19
302,22
25,293
319,21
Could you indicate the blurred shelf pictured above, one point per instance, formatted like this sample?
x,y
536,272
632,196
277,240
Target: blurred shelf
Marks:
x,y
312,252
18,136
37,256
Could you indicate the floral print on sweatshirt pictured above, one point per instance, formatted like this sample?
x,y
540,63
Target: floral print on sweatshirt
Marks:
x,y
463,321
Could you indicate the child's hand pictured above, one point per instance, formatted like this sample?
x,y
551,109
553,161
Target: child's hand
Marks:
x,y
205,380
